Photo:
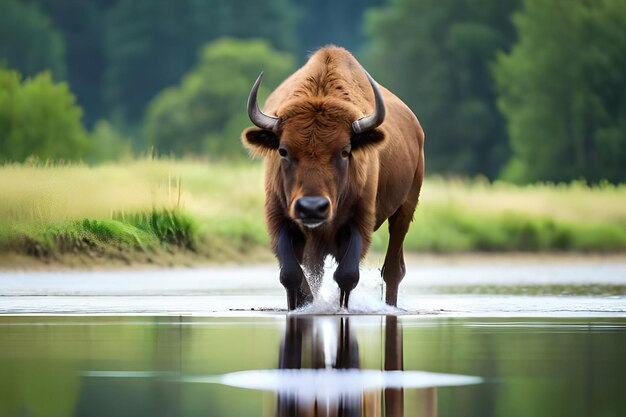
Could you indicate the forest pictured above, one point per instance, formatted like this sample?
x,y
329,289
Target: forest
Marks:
x,y
520,90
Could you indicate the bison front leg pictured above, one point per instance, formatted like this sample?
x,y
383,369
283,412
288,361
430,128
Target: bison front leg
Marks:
x,y
347,273
291,275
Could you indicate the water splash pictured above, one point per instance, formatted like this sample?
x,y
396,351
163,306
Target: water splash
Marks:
x,y
366,298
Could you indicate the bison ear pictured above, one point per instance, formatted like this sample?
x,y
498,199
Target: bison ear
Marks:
x,y
259,142
367,139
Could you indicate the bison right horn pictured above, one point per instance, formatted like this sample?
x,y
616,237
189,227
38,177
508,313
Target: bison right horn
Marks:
x,y
375,119
257,117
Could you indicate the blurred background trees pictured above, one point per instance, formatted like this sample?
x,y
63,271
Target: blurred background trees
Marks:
x,y
29,42
39,117
324,22
523,90
435,54
204,114
157,41
562,90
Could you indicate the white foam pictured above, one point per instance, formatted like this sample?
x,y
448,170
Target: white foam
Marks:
x,y
366,298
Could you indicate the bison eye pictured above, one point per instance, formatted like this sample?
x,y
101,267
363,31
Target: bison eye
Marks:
x,y
282,152
345,153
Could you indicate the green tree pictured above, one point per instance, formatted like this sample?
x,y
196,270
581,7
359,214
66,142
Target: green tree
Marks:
x,y
435,55
272,20
83,26
562,89
145,51
207,111
28,41
39,118
150,44
323,22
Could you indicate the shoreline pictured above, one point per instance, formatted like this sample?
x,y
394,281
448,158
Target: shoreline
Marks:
x,y
171,259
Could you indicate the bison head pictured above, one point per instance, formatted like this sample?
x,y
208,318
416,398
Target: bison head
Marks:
x,y
313,145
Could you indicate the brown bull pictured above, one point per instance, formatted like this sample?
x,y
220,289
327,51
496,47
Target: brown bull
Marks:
x,y
342,156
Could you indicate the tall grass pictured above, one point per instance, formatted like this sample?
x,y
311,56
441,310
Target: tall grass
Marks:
x,y
465,215
216,209
46,209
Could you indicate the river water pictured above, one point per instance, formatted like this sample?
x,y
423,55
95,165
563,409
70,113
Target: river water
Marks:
x,y
470,340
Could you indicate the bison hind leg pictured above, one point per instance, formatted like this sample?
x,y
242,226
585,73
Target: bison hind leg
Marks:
x,y
394,268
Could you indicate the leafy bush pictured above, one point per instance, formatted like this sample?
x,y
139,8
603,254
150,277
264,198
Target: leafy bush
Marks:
x,y
108,144
39,118
207,111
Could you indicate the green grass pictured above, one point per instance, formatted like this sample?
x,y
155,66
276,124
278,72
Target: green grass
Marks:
x,y
145,205
170,227
456,229
216,210
460,215
101,237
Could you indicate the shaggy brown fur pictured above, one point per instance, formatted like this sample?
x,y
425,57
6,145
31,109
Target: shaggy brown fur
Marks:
x,y
379,179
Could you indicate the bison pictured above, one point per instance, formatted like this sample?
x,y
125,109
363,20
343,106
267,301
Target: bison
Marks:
x,y
342,155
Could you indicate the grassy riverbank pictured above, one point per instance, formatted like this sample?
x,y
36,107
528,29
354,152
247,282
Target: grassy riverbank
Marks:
x,y
146,209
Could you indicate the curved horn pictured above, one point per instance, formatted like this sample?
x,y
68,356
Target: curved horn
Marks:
x,y
257,117
375,119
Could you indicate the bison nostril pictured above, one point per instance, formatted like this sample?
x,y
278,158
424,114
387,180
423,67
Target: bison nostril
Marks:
x,y
312,208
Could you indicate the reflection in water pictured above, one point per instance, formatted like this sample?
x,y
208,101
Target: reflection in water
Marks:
x,y
323,344
394,361
198,366
319,373
328,343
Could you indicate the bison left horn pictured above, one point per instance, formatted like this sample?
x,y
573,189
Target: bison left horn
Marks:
x,y
375,119
259,118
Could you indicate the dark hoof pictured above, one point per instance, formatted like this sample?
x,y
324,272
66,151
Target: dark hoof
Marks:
x,y
292,299
347,281
392,299
297,298
344,297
